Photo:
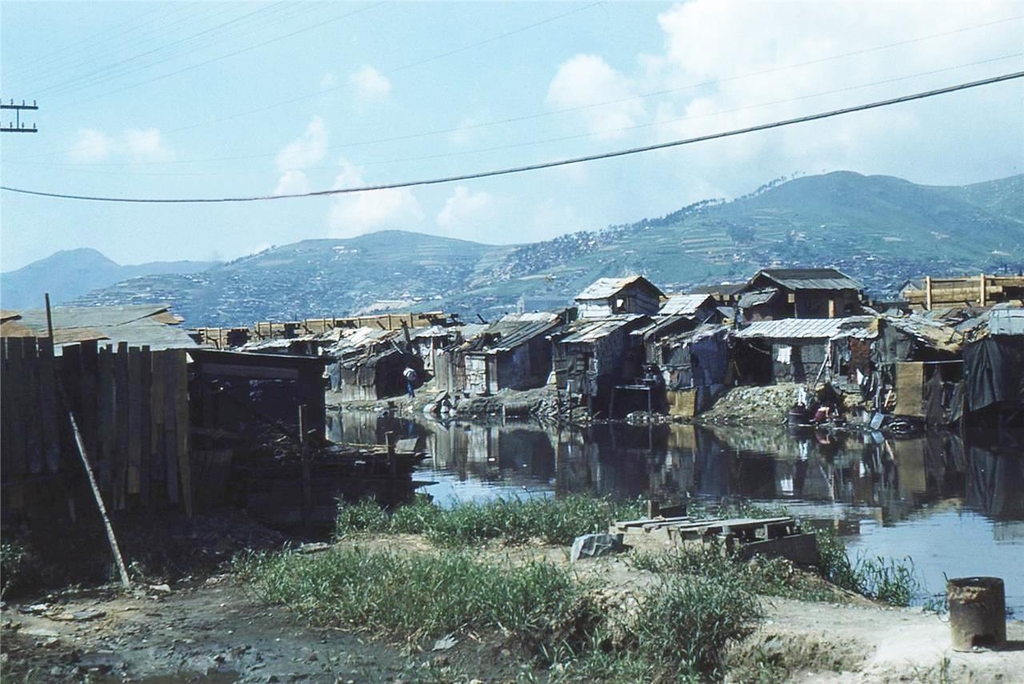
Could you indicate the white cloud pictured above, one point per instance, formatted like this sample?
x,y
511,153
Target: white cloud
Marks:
x,y
307,150
465,132
587,80
91,146
146,145
292,182
299,155
364,212
729,64
133,145
370,84
465,211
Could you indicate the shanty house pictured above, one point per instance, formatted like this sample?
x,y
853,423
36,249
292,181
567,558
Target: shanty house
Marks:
x,y
994,366
591,356
789,350
514,353
616,296
777,293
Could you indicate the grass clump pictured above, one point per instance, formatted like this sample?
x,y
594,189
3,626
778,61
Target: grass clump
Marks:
x,y
887,580
13,562
511,521
412,595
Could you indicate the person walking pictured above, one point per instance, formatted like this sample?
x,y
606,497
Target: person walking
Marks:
x,y
410,378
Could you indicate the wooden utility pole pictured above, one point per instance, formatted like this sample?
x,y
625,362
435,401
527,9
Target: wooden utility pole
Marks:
x,y
17,126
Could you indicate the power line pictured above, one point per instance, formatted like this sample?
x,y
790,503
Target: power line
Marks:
x,y
531,143
538,115
543,165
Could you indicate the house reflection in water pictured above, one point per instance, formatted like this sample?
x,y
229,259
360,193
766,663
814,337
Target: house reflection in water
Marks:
x,y
882,478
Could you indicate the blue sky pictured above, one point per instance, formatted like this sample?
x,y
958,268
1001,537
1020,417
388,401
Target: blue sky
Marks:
x,y
220,99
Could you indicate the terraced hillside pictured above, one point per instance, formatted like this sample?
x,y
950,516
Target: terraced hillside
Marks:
x,y
879,229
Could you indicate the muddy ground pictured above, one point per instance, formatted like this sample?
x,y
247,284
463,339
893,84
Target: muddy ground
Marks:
x,y
213,630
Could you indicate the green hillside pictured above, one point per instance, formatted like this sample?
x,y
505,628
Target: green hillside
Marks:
x,y
878,229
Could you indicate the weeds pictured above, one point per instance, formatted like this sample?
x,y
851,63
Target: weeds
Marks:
x,y
511,521
13,558
411,594
887,580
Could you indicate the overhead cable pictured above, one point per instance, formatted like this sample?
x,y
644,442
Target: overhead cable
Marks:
x,y
542,165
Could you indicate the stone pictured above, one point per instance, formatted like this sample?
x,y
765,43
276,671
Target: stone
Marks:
x,y
593,545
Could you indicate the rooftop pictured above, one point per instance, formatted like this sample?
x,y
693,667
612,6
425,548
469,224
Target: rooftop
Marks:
x,y
810,278
803,328
603,288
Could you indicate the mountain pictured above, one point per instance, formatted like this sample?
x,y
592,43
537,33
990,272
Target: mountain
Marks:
x,y
878,229
74,272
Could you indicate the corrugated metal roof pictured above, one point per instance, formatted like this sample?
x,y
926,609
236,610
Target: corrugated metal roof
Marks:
x,y
138,325
683,304
811,278
1005,320
517,329
603,288
591,330
756,298
802,328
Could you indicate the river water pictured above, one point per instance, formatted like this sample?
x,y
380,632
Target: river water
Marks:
x,y
955,507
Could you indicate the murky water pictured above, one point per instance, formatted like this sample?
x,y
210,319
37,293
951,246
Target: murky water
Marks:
x,y
955,508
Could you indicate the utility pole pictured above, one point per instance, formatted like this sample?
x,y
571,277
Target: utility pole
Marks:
x,y
16,126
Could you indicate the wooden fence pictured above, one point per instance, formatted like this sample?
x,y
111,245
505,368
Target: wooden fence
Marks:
x,y
131,405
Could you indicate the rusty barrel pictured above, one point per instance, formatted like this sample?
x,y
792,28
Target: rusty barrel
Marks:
x,y
977,612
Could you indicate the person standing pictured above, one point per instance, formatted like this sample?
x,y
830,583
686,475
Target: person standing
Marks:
x,y
410,378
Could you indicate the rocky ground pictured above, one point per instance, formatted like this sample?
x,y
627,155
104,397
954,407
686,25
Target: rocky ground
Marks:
x,y
213,630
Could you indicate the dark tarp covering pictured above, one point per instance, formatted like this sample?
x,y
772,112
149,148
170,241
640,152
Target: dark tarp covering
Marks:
x,y
994,371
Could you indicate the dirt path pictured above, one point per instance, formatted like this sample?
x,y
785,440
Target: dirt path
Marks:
x,y
213,632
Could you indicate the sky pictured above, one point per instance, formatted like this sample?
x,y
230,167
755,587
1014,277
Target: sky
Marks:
x,y
238,99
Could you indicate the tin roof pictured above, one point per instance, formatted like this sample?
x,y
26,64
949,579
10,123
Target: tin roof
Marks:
x,y
810,278
591,330
140,325
603,288
757,297
683,304
1006,320
802,328
517,329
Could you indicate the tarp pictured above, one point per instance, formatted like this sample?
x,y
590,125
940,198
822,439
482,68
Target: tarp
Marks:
x,y
994,372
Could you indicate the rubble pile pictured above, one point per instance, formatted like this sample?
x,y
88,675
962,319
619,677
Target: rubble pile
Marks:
x,y
744,405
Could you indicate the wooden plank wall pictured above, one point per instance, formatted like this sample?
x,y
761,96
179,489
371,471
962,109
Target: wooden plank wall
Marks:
x,y
131,405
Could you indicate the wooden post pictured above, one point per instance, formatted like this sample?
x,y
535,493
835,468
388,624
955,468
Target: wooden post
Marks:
x,y
928,293
982,298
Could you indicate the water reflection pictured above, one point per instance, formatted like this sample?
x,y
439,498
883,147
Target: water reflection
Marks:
x,y
889,477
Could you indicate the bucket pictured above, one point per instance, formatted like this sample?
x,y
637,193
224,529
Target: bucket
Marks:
x,y
977,612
